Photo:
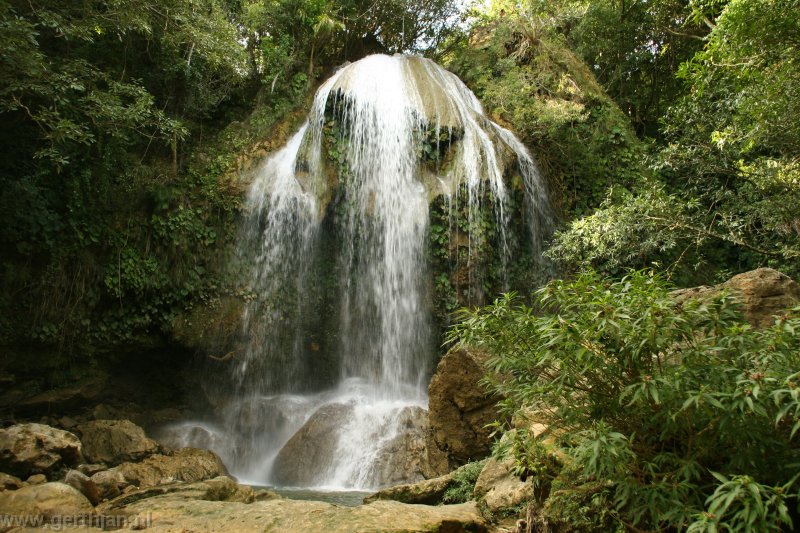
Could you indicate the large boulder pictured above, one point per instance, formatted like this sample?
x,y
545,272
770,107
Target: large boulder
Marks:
x,y
311,449
27,449
460,409
402,459
115,441
186,464
308,457
763,293
47,500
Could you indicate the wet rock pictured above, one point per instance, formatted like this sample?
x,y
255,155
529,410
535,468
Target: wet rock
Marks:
x,y
459,411
499,488
307,456
402,459
115,441
186,464
48,499
309,451
9,482
763,293
27,449
84,484
428,492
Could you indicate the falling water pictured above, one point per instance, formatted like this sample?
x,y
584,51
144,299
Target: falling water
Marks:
x,y
333,413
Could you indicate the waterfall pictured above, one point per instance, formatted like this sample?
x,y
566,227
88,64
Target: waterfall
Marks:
x,y
331,383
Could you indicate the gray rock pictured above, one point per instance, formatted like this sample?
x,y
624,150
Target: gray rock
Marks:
x,y
92,469
310,450
402,459
218,489
27,449
115,441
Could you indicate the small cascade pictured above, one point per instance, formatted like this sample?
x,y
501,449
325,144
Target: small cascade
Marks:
x,y
338,336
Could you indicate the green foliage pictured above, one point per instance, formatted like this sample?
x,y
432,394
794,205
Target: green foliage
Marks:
x,y
675,414
115,205
635,48
288,37
527,78
730,199
464,478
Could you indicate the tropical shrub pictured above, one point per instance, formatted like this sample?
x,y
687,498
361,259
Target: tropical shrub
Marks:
x,y
671,414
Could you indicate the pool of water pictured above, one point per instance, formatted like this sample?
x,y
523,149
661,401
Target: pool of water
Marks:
x,y
344,498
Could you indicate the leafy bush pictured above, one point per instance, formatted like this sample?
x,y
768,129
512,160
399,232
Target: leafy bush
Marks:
x,y
675,414
464,483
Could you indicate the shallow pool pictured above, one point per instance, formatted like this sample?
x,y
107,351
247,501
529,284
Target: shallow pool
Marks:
x,y
340,497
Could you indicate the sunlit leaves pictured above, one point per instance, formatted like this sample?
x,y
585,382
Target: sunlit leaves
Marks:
x,y
682,411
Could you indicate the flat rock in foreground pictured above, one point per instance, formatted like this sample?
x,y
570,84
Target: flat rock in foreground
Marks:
x,y
294,516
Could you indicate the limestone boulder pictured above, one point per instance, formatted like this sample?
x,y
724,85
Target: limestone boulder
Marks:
x,y
115,441
459,410
48,499
763,293
186,464
402,458
427,492
400,438
499,489
109,483
27,449
310,450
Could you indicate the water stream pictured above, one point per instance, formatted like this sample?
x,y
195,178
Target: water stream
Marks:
x,y
329,390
